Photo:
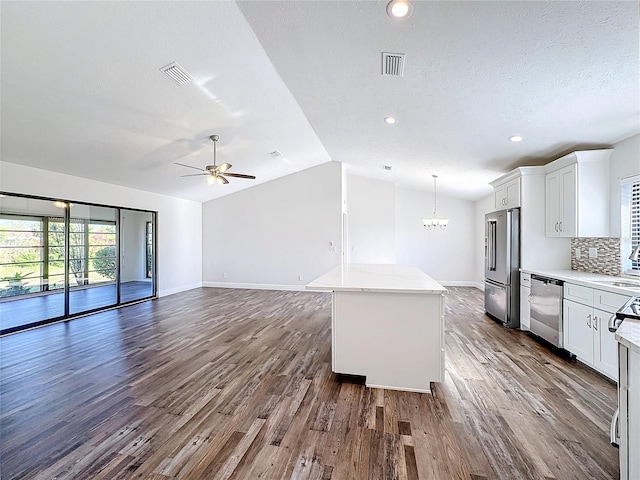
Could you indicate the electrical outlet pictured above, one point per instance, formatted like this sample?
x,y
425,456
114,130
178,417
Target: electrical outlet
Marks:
x,y
578,253
300,277
593,252
224,275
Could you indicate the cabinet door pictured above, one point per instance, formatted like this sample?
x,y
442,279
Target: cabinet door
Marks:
x,y
525,308
552,204
605,346
500,197
568,225
512,193
577,329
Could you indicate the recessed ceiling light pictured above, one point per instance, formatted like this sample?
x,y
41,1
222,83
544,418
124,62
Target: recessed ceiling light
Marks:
x,y
389,120
516,138
399,8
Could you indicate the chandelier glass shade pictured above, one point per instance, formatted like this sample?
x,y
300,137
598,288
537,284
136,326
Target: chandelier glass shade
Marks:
x,y
435,223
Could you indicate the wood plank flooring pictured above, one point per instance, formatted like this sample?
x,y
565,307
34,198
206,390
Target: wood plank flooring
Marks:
x,y
237,384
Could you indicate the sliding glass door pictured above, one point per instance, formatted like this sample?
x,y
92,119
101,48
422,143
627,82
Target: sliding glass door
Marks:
x,y
137,264
59,259
26,270
92,258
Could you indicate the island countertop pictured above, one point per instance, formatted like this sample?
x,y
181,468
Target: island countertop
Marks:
x,y
376,278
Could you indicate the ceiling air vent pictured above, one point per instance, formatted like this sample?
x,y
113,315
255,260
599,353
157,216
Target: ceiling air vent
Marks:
x,y
386,167
176,73
392,64
275,154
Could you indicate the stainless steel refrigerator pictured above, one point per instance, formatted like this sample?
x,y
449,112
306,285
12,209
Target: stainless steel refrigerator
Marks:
x,y
502,266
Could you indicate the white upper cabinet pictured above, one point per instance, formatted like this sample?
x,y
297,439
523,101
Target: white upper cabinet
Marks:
x,y
507,194
577,195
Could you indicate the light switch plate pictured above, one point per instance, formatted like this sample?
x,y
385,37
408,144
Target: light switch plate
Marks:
x,y
578,253
593,252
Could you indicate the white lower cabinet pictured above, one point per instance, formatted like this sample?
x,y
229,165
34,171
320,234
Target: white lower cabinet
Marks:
x,y
525,308
585,327
578,331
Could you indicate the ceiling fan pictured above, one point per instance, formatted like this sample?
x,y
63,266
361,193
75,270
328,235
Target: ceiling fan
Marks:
x,y
215,173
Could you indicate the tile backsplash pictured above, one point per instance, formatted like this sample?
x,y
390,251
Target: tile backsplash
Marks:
x,y
607,261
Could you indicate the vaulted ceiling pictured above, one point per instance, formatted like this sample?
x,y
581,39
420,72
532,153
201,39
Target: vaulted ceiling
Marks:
x,y
83,94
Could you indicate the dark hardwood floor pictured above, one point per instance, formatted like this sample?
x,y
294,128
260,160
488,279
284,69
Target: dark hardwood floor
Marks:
x,y
217,384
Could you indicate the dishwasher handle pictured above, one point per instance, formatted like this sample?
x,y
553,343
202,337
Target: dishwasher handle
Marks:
x,y
547,280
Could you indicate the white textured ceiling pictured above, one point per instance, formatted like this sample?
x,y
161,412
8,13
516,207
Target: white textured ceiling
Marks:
x,y
82,94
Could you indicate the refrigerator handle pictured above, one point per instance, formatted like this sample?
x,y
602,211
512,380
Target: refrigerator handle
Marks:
x,y
492,245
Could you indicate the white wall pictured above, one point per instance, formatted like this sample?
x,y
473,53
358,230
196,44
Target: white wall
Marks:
x,y
385,226
625,162
370,220
447,255
270,234
179,221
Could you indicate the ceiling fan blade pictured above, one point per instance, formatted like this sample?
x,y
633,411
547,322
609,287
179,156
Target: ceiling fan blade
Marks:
x,y
224,167
194,175
239,175
188,166
220,179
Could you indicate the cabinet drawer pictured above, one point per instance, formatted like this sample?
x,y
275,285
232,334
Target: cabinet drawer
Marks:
x,y
579,294
525,279
607,301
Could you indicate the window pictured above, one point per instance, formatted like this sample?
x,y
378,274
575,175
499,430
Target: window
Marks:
x,y
630,222
21,255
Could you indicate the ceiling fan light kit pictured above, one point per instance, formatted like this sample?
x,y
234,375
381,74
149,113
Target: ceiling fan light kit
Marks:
x,y
216,174
435,223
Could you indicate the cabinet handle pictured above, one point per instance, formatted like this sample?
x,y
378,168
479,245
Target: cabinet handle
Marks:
x,y
595,323
589,320
556,227
560,226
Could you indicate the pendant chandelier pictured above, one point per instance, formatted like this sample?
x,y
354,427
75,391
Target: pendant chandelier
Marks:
x,y
435,223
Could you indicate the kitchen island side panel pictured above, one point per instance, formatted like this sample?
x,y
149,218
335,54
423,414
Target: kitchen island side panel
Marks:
x,y
395,340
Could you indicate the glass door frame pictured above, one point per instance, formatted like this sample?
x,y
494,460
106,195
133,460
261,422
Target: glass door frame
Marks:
x,y
67,287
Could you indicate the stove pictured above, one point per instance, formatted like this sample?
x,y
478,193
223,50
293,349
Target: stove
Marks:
x,y
631,309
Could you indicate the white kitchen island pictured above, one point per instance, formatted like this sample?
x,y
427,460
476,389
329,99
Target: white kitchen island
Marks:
x,y
387,325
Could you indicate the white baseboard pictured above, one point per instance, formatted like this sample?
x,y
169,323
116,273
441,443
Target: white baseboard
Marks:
x,y
255,286
182,288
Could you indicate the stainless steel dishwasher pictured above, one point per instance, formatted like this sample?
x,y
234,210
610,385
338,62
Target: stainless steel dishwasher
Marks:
x,y
546,309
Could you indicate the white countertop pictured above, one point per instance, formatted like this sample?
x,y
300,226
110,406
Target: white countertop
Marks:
x,y
593,280
628,334
377,278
